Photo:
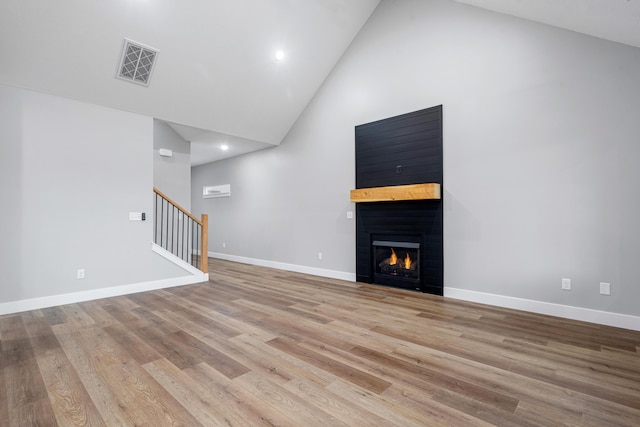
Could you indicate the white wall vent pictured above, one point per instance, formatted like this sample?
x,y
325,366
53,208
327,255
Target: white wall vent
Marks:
x,y
136,63
213,191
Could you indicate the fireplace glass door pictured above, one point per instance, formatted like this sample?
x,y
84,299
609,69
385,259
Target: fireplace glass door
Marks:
x,y
396,262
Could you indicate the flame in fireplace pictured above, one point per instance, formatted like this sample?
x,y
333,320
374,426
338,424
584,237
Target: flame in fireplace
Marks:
x,y
407,262
393,259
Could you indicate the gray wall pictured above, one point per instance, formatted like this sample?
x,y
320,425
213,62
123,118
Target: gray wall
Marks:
x,y
540,140
10,190
172,175
71,173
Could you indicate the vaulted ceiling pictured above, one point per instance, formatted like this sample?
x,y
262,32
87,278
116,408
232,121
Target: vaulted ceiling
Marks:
x,y
215,70
615,20
216,79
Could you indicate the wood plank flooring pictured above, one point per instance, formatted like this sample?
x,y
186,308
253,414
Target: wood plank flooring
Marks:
x,y
262,347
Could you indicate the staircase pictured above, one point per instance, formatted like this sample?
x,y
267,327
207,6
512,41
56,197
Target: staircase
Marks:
x,y
180,233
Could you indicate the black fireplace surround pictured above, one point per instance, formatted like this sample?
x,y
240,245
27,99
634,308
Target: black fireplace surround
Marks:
x,y
400,150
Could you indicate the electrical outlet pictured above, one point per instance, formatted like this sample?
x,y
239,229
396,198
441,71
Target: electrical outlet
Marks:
x,y
135,216
605,288
319,255
224,244
80,273
349,214
566,284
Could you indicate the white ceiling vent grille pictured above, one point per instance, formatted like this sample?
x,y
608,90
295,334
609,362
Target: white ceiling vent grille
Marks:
x,y
137,62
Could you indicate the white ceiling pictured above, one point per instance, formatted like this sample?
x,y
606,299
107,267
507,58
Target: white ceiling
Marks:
x,y
216,79
216,68
615,20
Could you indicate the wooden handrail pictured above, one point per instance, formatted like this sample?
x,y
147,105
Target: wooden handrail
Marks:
x,y
180,208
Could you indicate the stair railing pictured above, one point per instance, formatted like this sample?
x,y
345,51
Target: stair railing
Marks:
x,y
180,233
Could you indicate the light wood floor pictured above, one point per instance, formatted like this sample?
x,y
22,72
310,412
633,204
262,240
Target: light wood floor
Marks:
x,y
256,346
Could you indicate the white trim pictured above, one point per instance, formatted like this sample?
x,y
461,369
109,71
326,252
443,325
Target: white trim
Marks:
x,y
568,312
55,300
333,274
176,260
196,276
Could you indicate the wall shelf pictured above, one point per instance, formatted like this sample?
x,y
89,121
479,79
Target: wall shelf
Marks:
x,y
396,192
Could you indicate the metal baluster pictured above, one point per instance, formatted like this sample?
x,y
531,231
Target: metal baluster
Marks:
x,y
179,236
162,223
192,250
185,255
199,244
173,222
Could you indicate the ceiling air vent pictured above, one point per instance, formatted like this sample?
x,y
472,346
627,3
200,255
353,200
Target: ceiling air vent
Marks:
x,y
137,62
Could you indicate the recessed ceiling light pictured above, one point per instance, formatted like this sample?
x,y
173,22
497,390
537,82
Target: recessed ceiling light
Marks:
x,y
224,147
279,55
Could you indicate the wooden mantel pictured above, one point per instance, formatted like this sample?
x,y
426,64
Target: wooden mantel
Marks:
x,y
396,192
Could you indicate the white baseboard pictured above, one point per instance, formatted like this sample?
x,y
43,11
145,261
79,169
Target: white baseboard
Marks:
x,y
333,274
196,276
564,311
568,312
70,298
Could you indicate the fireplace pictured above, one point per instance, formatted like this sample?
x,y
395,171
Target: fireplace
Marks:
x,y
399,211
396,263
410,228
